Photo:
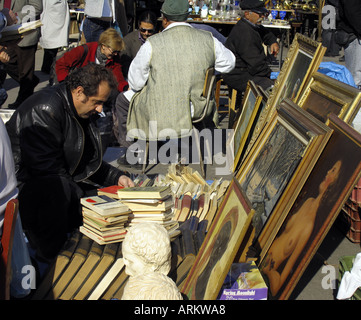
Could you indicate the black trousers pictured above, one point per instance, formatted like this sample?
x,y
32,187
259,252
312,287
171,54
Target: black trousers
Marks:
x,y
120,113
48,59
21,68
50,209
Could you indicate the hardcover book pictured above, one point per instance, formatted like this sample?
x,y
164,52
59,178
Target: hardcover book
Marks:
x,y
111,191
161,205
92,259
99,238
107,259
16,31
104,221
144,192
105,205
72,268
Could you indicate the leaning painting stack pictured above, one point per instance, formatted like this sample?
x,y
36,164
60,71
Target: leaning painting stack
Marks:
x,y
303,124
104,219
292,174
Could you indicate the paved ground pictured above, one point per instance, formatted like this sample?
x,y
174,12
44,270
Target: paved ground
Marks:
x,y
334,246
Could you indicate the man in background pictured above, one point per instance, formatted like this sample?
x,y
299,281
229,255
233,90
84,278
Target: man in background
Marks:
x,y
167,76
21,65
246,41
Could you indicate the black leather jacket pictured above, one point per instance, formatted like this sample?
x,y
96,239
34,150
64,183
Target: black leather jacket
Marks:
x,y
47,138
246,42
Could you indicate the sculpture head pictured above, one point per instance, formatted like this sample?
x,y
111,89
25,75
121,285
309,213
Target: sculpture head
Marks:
x,y
151,286
146,248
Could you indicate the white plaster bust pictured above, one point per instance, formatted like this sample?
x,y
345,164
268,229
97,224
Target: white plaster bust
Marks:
x,y
151,286
146,248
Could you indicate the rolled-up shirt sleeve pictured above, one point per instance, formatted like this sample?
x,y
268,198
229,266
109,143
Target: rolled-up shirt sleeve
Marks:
x,y
139,68
225,59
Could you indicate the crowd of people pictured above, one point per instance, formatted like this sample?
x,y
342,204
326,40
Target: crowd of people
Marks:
x,y
152,74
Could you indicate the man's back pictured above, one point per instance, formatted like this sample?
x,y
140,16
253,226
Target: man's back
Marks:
x,y
180,57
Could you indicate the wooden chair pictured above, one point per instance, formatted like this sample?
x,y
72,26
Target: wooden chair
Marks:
x,y
7,239
232,108
208,93
221,92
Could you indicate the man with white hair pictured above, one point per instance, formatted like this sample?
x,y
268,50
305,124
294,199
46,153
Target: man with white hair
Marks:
x,y
246,41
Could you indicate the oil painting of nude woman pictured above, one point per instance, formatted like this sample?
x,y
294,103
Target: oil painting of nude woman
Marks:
x,y
314,211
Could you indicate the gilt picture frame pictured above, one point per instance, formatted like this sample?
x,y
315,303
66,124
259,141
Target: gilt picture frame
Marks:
x,y
303,59
324,95
314,211
220,246
244,127
261,120
276,167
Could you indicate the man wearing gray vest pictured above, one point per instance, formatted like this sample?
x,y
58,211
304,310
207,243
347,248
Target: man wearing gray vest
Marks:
x,y
166,79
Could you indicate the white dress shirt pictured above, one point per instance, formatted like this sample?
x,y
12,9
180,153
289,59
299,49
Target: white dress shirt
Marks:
x,y
139,69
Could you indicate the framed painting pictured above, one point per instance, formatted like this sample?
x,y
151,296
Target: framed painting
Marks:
x,y
220,246
324,95
237,141
313,213
264,93
276,167
303,59
260,121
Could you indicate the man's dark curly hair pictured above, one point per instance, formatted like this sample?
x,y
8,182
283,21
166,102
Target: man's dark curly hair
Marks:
x,y
89,77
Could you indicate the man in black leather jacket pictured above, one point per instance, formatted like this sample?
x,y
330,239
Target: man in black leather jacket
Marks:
x,y
57,148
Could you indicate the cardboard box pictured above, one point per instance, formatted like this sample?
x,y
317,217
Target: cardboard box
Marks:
x,y
244,282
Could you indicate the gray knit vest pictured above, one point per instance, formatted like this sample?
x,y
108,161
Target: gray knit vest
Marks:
x,y
180,57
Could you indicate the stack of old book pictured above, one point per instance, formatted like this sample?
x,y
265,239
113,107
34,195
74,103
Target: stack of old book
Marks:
x,y
150,203
104,219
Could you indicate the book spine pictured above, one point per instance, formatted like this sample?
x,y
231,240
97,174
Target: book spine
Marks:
x,y
71,244
193,225
111,249
202,226
188,242
198,239
84,246
96,249
176,248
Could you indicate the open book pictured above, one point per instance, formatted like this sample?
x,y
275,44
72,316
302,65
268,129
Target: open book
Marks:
x,y
18,30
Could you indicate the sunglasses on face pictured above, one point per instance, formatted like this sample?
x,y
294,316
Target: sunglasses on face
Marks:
x,y
146,30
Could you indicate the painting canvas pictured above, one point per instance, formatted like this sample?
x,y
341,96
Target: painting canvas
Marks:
x,y
317,206
277,165
237,141
259,122
220,246
303,59
324,95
